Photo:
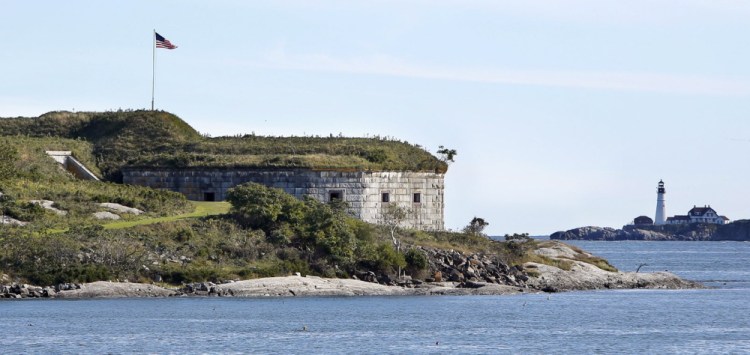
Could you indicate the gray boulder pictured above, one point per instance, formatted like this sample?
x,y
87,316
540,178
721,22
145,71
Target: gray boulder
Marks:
x,y
12,221
456,276
106,215
47,204
48,292
120,208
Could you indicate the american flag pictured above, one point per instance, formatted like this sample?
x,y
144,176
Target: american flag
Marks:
x,y
162,42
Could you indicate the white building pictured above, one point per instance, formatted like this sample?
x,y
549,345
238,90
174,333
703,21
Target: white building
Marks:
x,y
704,214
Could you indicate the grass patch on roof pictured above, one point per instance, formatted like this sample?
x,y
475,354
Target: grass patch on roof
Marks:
x,y
160,139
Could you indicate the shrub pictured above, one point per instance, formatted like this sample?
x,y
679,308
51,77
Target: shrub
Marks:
x,y
260,207
416,262
8,158
386,260
519,245
376,155
19,210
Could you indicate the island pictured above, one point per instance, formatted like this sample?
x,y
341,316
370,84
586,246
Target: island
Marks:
x,y
738,230
139,204
564,268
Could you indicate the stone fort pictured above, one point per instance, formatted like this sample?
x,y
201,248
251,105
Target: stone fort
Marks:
x,y
368,193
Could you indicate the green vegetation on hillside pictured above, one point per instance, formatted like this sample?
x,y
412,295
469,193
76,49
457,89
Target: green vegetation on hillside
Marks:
x,y
312,231
30,160
160,139
321,241
28,173
266,232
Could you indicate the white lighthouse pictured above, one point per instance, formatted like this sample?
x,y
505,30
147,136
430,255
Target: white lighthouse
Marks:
x,y
661,208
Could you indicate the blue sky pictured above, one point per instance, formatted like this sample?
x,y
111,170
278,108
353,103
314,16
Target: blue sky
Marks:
x,y
563,113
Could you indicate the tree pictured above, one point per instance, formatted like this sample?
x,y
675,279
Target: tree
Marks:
x,y
392,217
446,154
476,226
328,227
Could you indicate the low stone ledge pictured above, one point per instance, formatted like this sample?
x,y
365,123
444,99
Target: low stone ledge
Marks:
x,y
106,289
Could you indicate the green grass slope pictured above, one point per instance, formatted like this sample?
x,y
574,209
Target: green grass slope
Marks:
x,y
201,209
28,173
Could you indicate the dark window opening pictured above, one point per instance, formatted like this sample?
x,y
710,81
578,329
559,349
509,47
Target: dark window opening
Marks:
x,y
417,198
386,197
334,196
209,196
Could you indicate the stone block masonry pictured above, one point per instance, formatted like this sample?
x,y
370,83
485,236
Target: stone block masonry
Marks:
x,y
368,193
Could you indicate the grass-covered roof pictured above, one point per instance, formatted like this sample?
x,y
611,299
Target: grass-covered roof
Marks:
x,y
160,139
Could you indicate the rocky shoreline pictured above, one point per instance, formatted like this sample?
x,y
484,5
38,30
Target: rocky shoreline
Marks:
x,y
285,286
735,231
465,275
313,286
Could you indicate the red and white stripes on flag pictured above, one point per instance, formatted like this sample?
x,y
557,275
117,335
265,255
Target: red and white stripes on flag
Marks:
x,y
162,42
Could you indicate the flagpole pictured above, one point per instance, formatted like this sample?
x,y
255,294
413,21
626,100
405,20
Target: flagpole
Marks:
x,y
153,68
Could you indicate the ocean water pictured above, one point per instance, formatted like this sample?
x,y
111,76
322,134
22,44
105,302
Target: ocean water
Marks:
x,y
707,321
715,264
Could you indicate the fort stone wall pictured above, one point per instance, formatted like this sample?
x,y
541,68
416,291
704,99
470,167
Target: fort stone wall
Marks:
x,y
367,193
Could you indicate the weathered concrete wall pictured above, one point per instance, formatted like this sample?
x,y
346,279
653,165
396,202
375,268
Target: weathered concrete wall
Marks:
x,y
363,191
72,165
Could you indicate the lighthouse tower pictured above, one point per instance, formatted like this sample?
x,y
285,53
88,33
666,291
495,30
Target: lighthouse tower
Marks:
x,y
661,208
